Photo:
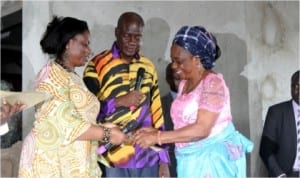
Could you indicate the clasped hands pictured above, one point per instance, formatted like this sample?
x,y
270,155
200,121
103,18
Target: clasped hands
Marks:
x,y
146,137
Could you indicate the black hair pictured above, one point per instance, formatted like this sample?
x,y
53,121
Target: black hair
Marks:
x,y
58,33
132,16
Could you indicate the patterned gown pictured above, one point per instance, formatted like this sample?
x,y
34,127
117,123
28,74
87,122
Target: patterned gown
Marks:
x,y
51,149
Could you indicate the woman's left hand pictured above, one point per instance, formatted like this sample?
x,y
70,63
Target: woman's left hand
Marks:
x,y
146,137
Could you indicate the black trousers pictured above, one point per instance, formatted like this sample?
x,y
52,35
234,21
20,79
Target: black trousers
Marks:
x,y
293,174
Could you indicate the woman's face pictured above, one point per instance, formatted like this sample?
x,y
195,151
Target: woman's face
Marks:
x,y
79,50
183,62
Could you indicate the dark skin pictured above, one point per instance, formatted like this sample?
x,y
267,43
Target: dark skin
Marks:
x,y
7,110
189,68
270,146
128,37
78,52
295,90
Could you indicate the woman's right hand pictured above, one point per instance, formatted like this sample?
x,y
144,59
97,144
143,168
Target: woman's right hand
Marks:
x,y
146,137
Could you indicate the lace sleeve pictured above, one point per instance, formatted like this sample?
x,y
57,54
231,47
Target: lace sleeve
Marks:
x,y
213,94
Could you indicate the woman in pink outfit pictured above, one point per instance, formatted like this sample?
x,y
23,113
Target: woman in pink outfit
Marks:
x,y
207,144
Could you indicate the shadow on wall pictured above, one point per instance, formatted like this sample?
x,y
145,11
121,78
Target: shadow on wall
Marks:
x,y
155,40
102,32
231,64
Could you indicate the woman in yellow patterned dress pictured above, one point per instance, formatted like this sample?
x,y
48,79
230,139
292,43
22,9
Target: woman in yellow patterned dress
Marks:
x,y
65,135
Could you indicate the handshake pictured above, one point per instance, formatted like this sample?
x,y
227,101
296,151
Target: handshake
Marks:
x,y
129,127
120,154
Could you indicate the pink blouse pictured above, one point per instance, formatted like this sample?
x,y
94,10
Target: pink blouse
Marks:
x,y
211,94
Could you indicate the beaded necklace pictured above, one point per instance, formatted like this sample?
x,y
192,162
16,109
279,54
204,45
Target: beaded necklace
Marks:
x,y
64,66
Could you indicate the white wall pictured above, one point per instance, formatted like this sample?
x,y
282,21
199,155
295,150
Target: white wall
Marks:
x,y
259,40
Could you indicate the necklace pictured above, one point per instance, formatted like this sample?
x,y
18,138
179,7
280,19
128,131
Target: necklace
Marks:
x,y
64,66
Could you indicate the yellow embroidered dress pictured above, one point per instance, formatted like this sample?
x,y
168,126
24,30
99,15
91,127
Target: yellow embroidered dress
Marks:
x,y
51,149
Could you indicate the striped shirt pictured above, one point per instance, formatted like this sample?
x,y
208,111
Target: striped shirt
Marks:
x,y
109,76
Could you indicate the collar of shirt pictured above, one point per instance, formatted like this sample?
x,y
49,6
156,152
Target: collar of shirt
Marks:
x,y
296,108
116,52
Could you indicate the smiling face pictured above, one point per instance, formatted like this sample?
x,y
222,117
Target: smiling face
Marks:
x,y
129,35
78,50
183,62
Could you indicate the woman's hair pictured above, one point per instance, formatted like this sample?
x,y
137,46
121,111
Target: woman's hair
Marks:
x,y
58,33
199,42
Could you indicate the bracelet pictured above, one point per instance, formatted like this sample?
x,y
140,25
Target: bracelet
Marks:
x,y
158,137
106,135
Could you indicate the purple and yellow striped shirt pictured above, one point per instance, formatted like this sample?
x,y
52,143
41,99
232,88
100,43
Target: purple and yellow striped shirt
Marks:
x,y
109,76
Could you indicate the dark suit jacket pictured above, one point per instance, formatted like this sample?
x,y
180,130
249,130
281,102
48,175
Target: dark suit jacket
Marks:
x,y
166,107
279,140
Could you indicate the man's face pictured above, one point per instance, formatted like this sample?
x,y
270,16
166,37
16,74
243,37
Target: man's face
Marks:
x,y
129,37
295,90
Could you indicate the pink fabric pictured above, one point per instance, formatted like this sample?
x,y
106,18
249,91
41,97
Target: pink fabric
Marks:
x,y
211,94
27,155
43,74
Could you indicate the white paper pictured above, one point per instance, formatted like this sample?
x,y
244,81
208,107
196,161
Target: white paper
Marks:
x,y
30,99
4,128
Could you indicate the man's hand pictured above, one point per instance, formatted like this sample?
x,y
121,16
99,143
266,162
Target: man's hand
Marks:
x,y
132,98
7,110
